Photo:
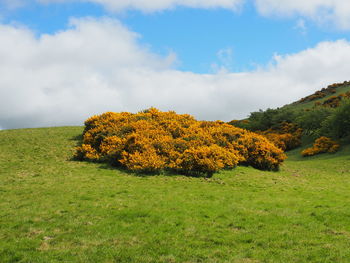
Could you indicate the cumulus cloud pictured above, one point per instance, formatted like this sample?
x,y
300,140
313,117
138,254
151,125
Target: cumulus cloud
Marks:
x,y
98,65
12,4
225,61
143,5
322,11
301,26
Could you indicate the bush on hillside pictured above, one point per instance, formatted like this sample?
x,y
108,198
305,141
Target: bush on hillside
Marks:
x,y
152,141
321,145
331,89
311,121
268,119
286,136
334,101
337,125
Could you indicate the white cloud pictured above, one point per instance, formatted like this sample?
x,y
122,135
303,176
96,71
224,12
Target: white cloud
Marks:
x,y
322,11
98,65
225,57
154,5
12,4
301,26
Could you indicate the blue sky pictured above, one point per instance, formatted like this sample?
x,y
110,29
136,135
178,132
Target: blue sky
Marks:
x,y
235,55
195,35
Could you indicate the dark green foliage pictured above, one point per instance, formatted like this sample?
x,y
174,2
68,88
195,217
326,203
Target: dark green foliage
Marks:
x,y
337,125
315,122
311,121
271,118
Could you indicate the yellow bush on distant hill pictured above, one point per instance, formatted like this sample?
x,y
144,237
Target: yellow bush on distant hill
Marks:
x,y
321,145
287,136
151,141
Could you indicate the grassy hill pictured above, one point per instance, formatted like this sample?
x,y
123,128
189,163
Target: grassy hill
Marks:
x,y
53,209
299,105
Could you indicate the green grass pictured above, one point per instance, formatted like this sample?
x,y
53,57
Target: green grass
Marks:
x,y
53,209
311,104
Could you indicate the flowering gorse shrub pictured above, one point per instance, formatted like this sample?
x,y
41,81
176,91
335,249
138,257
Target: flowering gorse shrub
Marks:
x,y
152,141
331,89
321,145
287,136
334,101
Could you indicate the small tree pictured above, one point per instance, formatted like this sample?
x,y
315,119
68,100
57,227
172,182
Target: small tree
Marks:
x,y
337,125
311,121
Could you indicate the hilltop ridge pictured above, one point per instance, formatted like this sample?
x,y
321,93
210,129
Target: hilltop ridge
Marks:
x,y
320,97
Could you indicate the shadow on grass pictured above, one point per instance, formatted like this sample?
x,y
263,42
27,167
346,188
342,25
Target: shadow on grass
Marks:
x,y
112,167
167,172
78,139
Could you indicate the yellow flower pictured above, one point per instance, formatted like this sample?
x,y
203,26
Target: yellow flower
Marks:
x,y
151,140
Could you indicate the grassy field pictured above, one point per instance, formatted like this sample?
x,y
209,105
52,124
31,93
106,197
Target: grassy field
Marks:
x,y
53,209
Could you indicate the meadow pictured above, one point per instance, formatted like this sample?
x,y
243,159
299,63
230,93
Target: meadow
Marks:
x,y
55,209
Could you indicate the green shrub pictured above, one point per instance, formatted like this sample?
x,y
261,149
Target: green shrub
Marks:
x,y
337,125
311,121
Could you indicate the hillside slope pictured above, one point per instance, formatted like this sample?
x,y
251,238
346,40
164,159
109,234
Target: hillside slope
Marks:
x,y
309,101
53,209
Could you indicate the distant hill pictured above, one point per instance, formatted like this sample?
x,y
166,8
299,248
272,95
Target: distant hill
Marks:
x,y
325,113
323,97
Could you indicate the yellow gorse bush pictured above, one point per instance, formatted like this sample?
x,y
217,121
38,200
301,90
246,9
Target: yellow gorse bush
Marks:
x,y
152,141
322,145
287,136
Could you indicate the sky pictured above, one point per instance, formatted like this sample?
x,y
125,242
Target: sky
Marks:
x,y
62,61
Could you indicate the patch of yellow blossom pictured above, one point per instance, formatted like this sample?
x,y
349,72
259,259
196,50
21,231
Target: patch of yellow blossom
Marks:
x,y
322,145
152,141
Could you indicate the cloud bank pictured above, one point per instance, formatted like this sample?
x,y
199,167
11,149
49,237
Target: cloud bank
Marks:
x,y
143,5
324,12
156,5
98,65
